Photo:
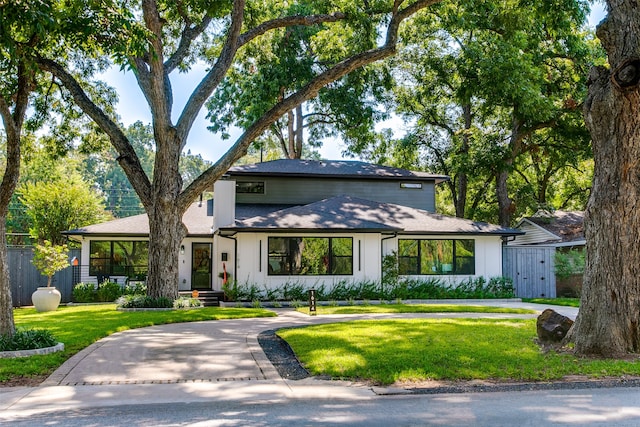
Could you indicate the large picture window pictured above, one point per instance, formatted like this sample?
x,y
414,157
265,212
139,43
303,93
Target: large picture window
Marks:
x,y
440,257
118,258
310,256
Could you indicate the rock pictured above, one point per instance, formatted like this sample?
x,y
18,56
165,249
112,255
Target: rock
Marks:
x,y
552,327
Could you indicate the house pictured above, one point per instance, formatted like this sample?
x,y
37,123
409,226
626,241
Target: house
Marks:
x,y
559,229
530,258
309,222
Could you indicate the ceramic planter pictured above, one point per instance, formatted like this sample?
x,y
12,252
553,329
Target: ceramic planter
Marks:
x,y
46,299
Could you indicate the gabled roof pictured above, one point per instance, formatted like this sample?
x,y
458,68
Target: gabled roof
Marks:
x,y
345,213
331,169
559,227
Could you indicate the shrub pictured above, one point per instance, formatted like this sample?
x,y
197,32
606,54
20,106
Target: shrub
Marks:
x,y
143,301
185,302
108,291
568,263
84,292
135,289
27,339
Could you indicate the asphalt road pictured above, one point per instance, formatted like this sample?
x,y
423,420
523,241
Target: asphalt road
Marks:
x,y
596,407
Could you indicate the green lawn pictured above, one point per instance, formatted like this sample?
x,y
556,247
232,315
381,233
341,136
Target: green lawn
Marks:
x,y
569,302
413,308
390,351
79,326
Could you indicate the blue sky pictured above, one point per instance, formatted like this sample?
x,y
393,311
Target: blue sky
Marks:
x,y
132,107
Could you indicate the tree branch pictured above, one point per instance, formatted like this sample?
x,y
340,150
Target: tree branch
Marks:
x,y
128,158
189,34
214,76
308,91
288,21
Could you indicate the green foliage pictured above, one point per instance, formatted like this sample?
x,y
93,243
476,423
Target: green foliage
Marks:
x,y
405,288
27,339
568,263
49,259
108,292
185,302
84,292
56,206
143,301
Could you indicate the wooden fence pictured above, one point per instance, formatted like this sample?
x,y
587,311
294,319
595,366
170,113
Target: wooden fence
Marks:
x,y
532,269
25,278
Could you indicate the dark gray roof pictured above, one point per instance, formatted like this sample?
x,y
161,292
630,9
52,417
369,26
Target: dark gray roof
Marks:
x,y
345,213
331,169
197,219
567,225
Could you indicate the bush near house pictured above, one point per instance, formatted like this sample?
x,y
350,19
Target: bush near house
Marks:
x,y
105,292
475,288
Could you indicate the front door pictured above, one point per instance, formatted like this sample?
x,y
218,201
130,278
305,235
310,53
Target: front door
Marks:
x,y
201,266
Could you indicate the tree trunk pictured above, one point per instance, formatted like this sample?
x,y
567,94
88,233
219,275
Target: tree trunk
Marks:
x,y
462,179
608,323
7,324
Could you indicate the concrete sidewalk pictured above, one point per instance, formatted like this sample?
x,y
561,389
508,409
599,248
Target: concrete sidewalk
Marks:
x,y
199,361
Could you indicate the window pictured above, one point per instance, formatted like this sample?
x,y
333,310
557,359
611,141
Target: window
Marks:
x,y
118,258
439,257
310,256
414,185
250,187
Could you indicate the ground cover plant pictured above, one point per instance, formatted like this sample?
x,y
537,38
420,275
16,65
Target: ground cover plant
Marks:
x,y
415,350
413,308
567,302
79,326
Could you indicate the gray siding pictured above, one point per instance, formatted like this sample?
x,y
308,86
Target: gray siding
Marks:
x,y
532,270
25,278
534,235
299,191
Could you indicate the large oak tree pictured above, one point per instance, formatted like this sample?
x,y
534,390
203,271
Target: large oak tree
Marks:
x,y
178,33
608,323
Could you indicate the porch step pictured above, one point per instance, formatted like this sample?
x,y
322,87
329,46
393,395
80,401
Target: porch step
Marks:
x,y
208,298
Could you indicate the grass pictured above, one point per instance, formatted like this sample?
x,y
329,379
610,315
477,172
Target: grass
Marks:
x,y
413,308
79,326
568,302
401,351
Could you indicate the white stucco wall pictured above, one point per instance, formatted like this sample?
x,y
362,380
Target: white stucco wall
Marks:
x,y
252,260
488,256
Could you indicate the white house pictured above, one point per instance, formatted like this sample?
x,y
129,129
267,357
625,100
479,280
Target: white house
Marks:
x,y
308,222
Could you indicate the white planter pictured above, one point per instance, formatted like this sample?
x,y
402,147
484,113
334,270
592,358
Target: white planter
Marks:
x,y
46,299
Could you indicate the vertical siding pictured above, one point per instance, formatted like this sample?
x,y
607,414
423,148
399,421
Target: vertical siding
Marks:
x,y
25,278
532,270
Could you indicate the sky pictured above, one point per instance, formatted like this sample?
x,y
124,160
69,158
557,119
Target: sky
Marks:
x,y
133,107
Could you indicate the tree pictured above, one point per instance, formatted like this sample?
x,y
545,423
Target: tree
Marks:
x,y
17,82
29,102
176,34
55,206
481,82
346,107
608,323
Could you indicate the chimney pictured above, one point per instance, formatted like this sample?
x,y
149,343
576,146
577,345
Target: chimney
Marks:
x,y
224,203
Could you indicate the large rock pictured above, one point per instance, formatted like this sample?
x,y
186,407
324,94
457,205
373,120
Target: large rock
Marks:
x,y
552,326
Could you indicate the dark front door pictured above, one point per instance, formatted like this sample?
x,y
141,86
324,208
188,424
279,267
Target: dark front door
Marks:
x,y
201,266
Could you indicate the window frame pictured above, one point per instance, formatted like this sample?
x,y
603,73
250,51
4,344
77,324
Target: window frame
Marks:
x,y
244,187
110,266
414,263
331,259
